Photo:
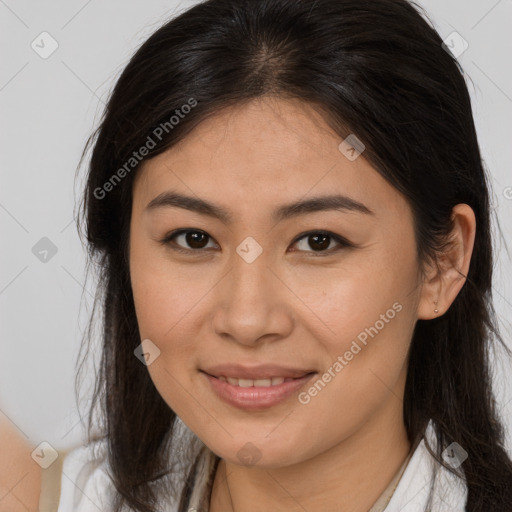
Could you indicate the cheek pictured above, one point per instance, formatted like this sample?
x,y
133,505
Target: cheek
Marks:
x,y
365,352
170,303
162,300
365,321
354,300
163,292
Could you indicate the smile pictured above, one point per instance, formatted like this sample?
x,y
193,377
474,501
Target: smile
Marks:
x,y
257,394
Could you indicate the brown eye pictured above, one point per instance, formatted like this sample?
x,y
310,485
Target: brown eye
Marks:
x,y
190,240
196,239
320,242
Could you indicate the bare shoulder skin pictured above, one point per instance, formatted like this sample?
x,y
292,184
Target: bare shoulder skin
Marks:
x,y
20,476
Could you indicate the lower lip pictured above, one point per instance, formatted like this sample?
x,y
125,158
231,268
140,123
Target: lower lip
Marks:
x,y
256,398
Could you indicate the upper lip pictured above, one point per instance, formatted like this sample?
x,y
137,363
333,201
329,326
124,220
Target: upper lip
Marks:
x,y
265,371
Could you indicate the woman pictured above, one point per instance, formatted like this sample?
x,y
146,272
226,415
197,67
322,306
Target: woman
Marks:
x,y
288,208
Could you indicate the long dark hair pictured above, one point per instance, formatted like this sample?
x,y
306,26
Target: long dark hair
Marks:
x,y
374,68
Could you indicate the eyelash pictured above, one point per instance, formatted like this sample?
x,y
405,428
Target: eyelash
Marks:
x,y
343,243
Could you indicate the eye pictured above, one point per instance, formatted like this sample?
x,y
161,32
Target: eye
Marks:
x,y
196,241
195,238
320,242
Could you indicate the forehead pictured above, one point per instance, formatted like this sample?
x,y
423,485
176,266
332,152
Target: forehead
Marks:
x,y
261,153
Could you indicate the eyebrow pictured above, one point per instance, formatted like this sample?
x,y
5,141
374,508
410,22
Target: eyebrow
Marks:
x,y
301,207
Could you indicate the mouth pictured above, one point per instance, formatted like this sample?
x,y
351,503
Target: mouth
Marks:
x,y
262,382
256,394
256,373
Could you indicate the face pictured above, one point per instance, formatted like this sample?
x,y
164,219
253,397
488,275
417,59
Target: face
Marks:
x,y
325,290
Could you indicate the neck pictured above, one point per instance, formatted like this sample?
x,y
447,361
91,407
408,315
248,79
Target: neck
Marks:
x,y
354,473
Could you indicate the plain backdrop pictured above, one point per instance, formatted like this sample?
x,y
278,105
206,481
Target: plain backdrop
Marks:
x,y
49,106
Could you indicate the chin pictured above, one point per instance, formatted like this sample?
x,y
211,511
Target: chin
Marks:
x,y
259,453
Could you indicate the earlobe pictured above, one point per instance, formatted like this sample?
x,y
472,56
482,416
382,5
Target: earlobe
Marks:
x,y
430,306
441,286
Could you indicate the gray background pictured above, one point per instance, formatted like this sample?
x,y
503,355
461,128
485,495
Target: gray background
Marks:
x,y
48,109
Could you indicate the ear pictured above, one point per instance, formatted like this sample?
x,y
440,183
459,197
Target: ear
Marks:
x,y
446,277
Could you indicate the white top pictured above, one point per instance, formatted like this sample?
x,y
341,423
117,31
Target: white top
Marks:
x,y
87,487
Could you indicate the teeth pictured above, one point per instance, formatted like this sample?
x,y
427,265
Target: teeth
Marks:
x,y
247,383
264,383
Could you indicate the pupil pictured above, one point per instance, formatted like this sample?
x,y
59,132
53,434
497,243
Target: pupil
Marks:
x,y
193,239
323,245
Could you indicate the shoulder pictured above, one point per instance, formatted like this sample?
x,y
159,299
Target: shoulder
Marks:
x,y
86,484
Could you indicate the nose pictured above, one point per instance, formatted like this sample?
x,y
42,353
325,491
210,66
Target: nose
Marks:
x,y
252,303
